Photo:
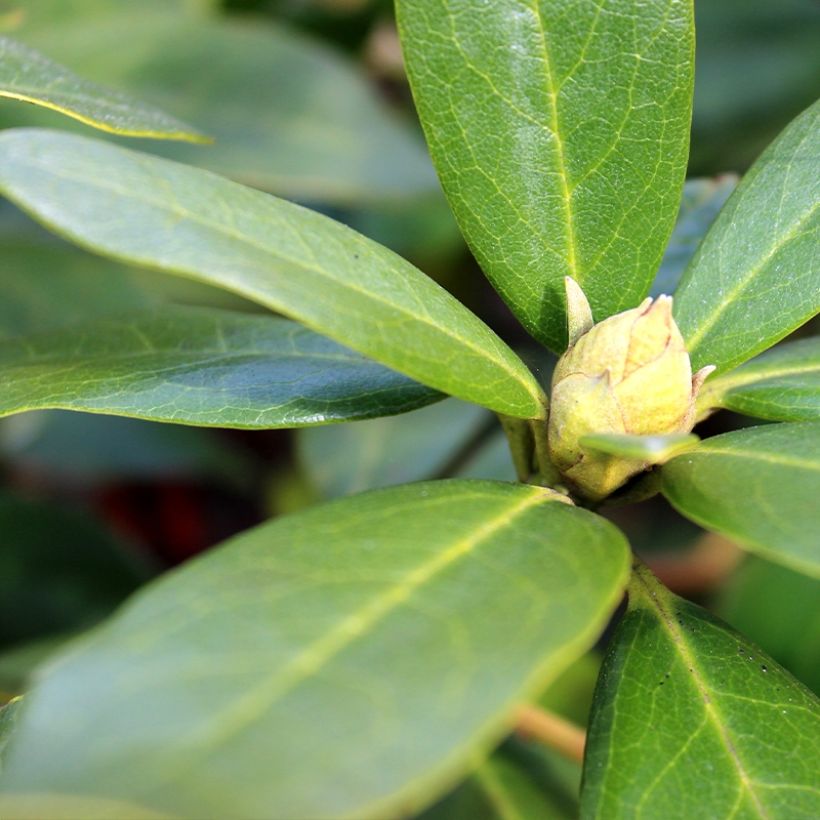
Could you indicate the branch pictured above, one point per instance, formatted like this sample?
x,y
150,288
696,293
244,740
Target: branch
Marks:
x,y
552,730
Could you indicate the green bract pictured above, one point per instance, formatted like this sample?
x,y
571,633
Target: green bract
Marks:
x,y
381,649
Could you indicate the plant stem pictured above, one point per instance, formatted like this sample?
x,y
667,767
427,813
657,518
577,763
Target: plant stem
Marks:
x,y
552,730
520,439
547,473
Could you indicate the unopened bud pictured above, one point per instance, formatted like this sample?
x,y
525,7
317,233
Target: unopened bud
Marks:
x,y
629,374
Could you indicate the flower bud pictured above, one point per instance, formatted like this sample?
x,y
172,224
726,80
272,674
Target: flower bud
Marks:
x,y
629,374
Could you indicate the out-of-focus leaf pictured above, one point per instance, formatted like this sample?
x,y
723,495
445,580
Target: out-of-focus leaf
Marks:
x,y
18,662
691,720
201,366
783,384
31,77
651,449
570,694
756,275
287,113
59,570
491,459
8,720
90,449
560,137
757,486
272,677
349,458
777,609
701,203
518,782
191,223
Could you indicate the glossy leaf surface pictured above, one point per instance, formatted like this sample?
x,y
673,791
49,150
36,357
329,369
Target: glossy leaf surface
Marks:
x,y
756,276
351,458
189,222
783,384
560,135
757,486
338,662
200,366
691,720
32,77
287,112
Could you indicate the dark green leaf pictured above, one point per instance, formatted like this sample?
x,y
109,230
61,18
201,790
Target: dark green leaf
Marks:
x,y
756,275
691,720
701,202
781,385
287,112
201,366
338,662
188,222
350,458
777,608
757,486
31,77
560,136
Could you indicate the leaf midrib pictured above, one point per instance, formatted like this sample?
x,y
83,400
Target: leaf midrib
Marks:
x,y
653,596
258,295
248,709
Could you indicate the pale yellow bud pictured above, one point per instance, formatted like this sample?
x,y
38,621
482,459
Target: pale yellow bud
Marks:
x,y
629,374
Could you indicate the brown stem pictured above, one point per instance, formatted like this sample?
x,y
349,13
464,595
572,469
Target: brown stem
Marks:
x,y
552,730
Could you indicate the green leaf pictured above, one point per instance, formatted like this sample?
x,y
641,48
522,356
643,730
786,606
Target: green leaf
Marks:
x,y
287,112
31,77
701,203
781,385
757,486
651,449
691,720
350,458
756,275
201,366
338,662
189,222
777,609
560,136
518,782
8,720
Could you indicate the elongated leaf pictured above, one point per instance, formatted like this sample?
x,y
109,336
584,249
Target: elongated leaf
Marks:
x,y
758,486
351,458
652,449
287,112
701,203
186,221
201,366
560,137
781,385
756,276
777,609
29,76
691,720
338,662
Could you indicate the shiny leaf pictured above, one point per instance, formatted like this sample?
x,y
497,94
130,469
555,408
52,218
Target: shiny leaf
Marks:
x,y
560,135
201,366
783,384
757,486
188,222
651,449
756,275
691,720
31,77
338,662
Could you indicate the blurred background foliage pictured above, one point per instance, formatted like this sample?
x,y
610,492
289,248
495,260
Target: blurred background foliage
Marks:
x,y
307,99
